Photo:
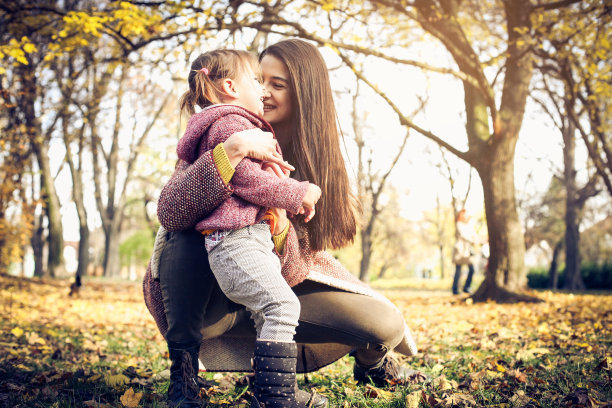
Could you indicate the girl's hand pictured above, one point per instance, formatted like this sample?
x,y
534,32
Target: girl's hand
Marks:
x,y
308,214
313,194
256,144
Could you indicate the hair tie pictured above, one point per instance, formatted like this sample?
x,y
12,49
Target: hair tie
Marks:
x,y
204,70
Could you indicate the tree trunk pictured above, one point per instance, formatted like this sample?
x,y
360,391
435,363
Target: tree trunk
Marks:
x,y
553,272
112,266
38,244
442,261
83,251
573,278
40,147
55,239
440,229
366,254
506,272
77,196
382,270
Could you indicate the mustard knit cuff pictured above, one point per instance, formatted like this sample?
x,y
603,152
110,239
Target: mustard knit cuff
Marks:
x,y
226,171
279,240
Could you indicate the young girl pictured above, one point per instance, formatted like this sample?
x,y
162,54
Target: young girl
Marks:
x,y
226,85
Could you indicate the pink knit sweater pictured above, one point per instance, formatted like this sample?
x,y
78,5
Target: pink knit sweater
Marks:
x,y
255,190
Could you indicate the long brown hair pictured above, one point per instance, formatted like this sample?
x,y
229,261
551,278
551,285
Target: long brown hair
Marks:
x,y
314,148
208,70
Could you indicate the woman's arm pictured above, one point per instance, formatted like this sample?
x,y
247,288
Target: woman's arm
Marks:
x,y
194,190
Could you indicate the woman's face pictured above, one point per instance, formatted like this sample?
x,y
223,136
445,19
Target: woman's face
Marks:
x,y
277,105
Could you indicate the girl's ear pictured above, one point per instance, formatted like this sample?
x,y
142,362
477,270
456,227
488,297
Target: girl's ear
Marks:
x,y
229,87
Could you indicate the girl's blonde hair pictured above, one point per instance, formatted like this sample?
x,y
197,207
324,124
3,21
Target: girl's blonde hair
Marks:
x,y
208,72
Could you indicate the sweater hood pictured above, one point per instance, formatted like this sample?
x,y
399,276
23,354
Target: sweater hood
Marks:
x,y
188,146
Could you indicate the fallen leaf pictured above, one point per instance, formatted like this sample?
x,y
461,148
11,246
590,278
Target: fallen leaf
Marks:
x,y
518,376
115,380
129,399
15,387
17,332
460,399
373,392
531,353
520,399
96,404
443,384
605,364
34,338
413,399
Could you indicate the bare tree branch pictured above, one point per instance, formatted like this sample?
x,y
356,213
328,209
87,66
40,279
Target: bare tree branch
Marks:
x,y
403,119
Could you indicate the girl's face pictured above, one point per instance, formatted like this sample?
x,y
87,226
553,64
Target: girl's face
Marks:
x,y
250,91
277,104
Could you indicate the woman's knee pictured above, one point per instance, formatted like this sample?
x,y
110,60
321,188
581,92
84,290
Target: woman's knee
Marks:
x,y
384,324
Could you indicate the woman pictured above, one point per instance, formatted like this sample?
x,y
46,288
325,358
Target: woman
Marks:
x,y
339,314
463,251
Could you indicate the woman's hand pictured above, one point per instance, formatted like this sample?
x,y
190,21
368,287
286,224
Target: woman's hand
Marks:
x,y
256,144
276,169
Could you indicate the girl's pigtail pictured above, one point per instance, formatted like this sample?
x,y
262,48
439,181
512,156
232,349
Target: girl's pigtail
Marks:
x,y
187,103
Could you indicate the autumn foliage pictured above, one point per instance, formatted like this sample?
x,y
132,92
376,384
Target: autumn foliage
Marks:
x,y
102,349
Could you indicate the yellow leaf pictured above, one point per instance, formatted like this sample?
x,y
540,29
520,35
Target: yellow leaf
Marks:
x,y
529,354
115,380
585,346
443,384
34,338
29,48
328,6
17,332
94,378
219,401
500,368
413,400
129,399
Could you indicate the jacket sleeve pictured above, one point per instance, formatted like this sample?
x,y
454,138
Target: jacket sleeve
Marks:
x,y
265,189
193,191
250,181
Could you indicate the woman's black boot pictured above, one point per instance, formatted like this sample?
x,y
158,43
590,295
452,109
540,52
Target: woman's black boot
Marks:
x,y
184,389
388,372
274,383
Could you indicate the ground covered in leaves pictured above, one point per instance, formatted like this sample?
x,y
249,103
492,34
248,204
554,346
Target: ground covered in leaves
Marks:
x,y
102,349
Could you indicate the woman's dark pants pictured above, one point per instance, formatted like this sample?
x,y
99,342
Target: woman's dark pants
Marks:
x,y
371,326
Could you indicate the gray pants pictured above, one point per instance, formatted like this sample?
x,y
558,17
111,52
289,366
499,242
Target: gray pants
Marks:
x,y
249,273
